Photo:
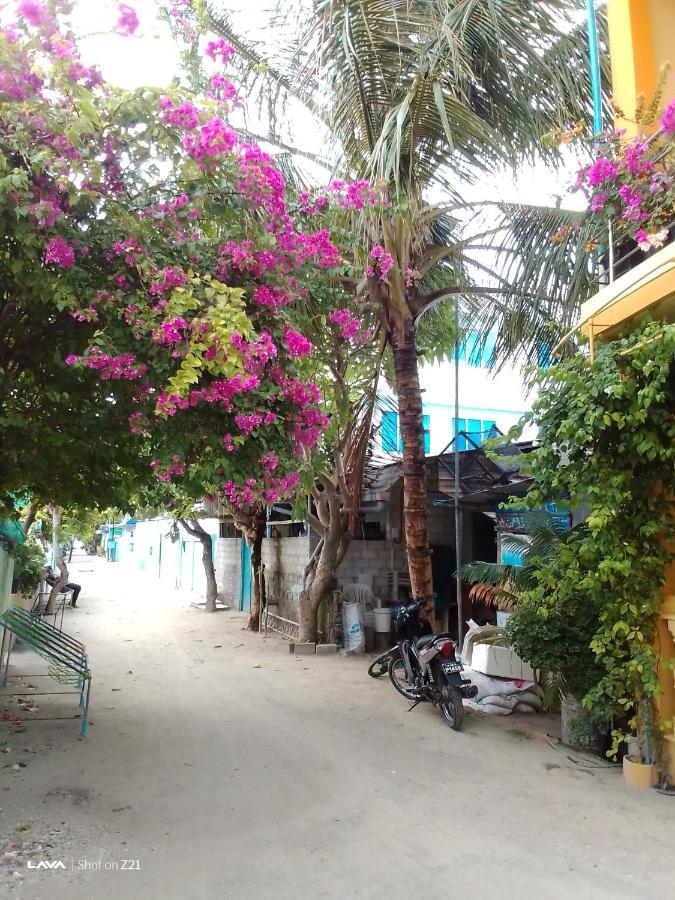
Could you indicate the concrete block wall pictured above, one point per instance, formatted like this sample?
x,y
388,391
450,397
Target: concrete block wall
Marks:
x,y
369,562
284,560
228,569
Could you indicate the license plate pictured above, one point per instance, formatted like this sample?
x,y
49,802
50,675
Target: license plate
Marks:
x,y
452,667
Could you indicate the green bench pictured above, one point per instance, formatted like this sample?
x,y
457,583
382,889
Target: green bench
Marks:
x,y
66,657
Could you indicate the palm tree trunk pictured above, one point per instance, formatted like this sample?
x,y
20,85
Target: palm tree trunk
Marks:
x,y
414,472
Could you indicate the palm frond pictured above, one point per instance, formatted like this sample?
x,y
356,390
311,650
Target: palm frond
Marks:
x,y
544,259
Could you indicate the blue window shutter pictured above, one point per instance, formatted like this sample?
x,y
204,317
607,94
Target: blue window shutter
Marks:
x,y
426,425
455,430
389,432
474,429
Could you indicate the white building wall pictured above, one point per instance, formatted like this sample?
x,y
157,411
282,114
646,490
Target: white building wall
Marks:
x,y
484,397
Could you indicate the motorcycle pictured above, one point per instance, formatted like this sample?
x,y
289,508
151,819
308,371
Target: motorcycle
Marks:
x,y
423,666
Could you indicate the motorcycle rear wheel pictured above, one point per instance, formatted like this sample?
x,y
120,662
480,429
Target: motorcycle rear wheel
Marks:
x,y
399,678
452,708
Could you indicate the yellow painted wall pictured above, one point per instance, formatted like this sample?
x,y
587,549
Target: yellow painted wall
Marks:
x,y
641,40
663,40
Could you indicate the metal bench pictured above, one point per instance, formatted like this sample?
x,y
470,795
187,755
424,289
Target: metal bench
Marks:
x,y
42,599
66,657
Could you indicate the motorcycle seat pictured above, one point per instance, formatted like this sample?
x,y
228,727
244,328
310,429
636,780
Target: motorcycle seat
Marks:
x,y
424,640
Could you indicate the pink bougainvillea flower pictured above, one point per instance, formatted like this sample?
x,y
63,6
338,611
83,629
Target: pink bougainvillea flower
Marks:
x,y
215,139
602,170
348,323
383,262
33,12
127,21
220,50
297,344
185,115
59,252
598,202
668,119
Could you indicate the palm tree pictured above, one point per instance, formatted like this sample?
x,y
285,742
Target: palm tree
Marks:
x,y
428,96
500,584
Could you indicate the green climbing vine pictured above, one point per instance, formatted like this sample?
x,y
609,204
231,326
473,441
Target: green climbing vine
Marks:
x,y
607,445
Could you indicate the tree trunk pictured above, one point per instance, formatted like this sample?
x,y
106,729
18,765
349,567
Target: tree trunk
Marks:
x,y
196,530
30,517
319,575
59,562
255,537
330,557
414,471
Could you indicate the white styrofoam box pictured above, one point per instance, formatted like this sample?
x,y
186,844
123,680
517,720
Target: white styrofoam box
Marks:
x,y
500,662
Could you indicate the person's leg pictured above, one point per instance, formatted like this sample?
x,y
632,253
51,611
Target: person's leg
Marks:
x,y
75,588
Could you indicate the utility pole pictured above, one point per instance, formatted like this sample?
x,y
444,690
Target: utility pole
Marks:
x,y
458,515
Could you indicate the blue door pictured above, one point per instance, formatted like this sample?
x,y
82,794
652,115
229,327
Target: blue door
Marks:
x,y
246,577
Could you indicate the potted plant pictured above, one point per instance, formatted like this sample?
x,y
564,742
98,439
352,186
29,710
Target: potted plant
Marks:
x,y
638,769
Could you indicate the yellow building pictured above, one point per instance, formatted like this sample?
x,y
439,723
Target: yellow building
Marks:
x,y
641,41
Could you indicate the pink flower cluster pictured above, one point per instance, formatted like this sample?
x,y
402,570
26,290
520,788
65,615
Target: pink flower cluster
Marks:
x,y
270,296
168,471
257,354
627,182
59,252
170,277
601,171
247,423
170,332
46,212
219,392
127,21
382,263
223,89
296,343
130,249
214,140
110,368
37,14
185,116
261,182
269,490
138,423
668,119
307,429
220,50
87,314
350,325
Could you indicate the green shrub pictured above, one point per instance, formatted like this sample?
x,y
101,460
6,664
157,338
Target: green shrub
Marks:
x,y
29,561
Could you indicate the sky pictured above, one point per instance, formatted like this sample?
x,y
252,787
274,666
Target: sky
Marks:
x,y
151,58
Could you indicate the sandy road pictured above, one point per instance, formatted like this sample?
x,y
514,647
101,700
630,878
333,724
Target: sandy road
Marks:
x,y
228,768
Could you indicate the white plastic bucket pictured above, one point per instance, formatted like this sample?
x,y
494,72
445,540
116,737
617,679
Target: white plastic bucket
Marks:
x,y
382,619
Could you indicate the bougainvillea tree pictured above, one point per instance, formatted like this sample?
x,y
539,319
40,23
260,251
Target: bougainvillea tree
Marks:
x,y
169,241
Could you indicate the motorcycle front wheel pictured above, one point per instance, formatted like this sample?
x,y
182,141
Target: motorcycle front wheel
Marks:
x,y
381,665
452,708
399,678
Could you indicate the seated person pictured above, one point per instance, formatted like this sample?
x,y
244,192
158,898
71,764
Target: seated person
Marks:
x,y
51,578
